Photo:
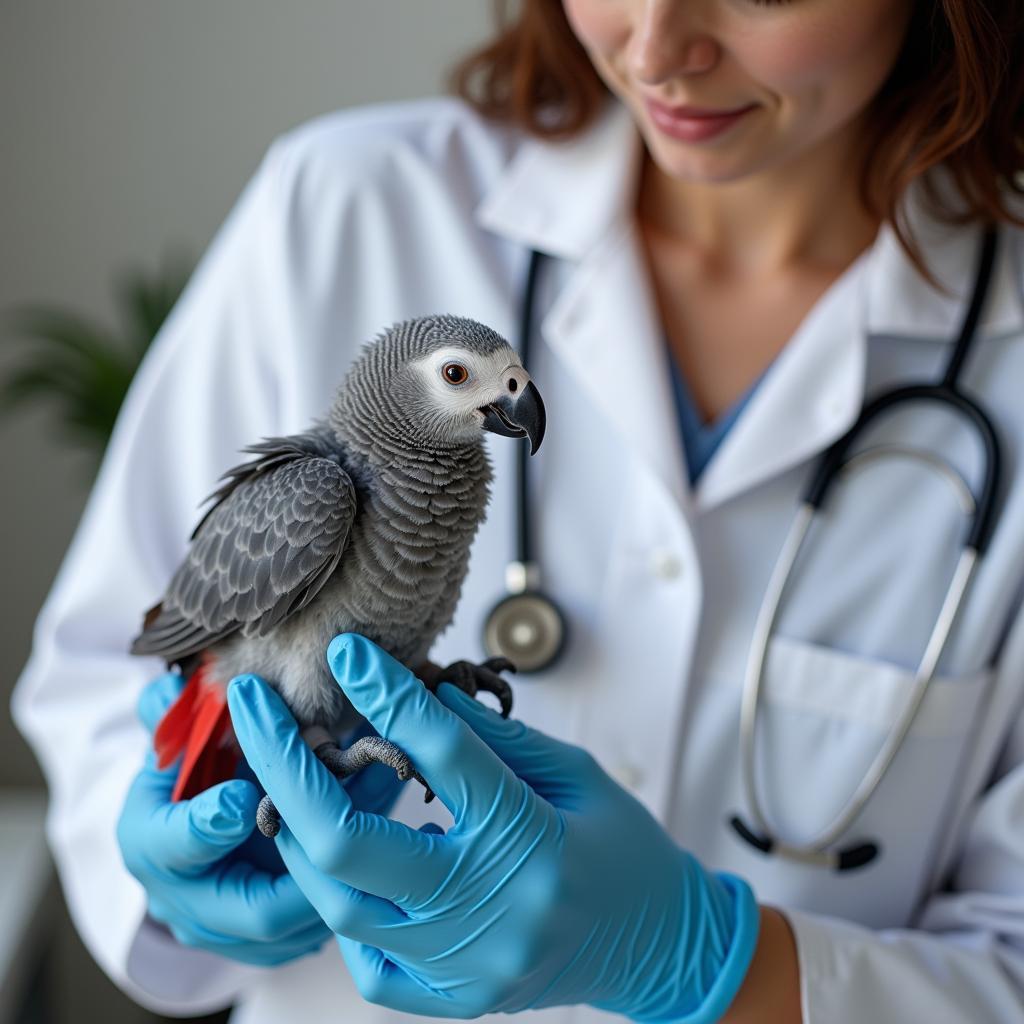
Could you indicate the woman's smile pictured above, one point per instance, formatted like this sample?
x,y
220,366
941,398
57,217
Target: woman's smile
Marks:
x,y
689,124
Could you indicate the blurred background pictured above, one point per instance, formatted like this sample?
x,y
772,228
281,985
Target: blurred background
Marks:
x,y
129,128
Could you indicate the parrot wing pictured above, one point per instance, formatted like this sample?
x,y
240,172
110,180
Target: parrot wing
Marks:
x,y
274,536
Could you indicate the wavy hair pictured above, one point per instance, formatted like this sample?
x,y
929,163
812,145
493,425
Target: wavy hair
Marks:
x,y
952,98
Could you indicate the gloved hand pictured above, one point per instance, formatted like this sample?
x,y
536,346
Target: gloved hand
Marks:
x,y
207,875
554,886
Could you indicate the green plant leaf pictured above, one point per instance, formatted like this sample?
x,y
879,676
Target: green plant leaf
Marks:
x,y
146,302
82,369
59,330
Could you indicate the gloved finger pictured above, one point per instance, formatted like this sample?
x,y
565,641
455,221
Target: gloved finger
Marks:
x,y
367,851
375,788
384,983
188,836
240,903
248,903
553,769
262,853
345,910
457,765
157,696
174,911
261,954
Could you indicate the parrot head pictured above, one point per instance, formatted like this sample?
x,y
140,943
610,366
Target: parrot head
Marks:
x,y
446,379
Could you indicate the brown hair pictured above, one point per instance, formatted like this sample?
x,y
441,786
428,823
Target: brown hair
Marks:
x,y
952,98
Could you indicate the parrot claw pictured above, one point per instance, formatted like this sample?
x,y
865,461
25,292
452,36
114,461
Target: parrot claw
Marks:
x,y
268,821
498,665
344,762
369,750
471,679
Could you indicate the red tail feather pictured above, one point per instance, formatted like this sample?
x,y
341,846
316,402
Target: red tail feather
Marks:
x,y
198,725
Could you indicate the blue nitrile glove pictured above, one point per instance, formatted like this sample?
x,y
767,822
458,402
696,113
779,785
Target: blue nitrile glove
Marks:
x,y
554,886
214,883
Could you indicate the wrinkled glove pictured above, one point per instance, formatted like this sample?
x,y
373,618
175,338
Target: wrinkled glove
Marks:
x,y
208,877
554,886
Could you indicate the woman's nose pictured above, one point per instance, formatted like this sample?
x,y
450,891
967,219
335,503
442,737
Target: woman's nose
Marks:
x,y
668,39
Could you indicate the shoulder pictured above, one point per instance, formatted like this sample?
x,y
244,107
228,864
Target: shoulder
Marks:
x,y
421,145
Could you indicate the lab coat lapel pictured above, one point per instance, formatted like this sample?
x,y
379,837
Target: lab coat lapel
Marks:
x,y
814,391
574,200
808,398
605,330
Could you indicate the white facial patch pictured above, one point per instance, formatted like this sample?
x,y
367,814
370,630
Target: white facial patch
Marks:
x,y
488,377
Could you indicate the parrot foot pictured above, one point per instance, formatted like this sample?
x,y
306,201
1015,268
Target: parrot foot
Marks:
x,y
472,678
366,751
268,821
342,763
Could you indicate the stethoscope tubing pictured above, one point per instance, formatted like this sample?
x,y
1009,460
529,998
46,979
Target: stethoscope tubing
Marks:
x,y
525,591
833,460
526,611
834,463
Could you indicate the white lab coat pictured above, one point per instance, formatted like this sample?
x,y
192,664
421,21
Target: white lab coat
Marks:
x,y
360,219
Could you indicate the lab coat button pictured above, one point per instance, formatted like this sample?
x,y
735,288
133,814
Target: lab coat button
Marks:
x,y
666,564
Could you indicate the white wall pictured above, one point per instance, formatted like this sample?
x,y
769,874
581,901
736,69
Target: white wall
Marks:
x,y
128,127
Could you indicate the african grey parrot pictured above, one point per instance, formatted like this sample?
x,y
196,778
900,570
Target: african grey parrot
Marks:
x,y
361,524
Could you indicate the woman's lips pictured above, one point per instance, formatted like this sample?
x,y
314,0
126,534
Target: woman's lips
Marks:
x,y
691,124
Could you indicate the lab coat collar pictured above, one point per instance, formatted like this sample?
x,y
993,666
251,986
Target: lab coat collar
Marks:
x,y
563,197
902,303
575,200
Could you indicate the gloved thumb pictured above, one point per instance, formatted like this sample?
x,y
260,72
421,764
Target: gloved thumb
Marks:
x,y
189,836
553,769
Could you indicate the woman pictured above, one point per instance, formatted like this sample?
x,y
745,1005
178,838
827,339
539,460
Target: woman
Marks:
x,y
752,214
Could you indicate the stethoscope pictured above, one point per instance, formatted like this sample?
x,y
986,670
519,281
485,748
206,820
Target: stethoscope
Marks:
x,y
979,509
528,627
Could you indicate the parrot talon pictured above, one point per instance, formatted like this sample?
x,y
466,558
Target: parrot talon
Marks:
x,y
499,665
366,751
268,821
471,679
462,674
491,682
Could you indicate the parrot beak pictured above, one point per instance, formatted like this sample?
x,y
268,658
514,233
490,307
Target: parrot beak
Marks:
x,y
523,416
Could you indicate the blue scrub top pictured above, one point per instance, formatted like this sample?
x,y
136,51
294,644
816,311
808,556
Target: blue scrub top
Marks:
x,y
700,439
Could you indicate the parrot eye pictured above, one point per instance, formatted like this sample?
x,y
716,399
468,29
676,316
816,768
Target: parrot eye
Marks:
x,y
455,373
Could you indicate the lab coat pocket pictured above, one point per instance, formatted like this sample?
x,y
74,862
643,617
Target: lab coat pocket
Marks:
x,y
824,717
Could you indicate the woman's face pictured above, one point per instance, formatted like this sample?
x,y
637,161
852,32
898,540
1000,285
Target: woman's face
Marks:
x,y
800,70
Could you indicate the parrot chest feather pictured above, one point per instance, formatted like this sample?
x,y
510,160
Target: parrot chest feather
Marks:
x,y
398,584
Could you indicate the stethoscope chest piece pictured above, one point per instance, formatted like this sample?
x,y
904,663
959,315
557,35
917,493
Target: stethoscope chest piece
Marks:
x,y
526,627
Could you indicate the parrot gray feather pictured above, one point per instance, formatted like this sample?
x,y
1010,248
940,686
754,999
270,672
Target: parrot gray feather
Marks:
x,y
272,539
362,524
